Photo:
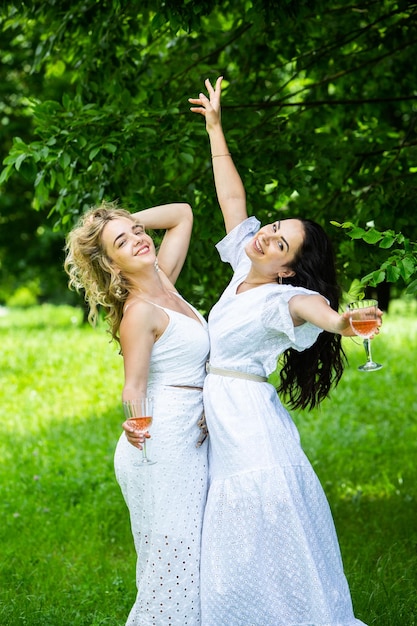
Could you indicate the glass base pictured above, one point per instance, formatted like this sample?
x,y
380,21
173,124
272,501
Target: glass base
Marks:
x,y
370,367
144,463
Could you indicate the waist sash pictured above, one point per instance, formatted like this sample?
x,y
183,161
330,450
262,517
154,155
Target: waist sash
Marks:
x,y
235,374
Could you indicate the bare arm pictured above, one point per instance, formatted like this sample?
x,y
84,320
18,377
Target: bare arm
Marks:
x,y
315,309
140,327
229,187
177,219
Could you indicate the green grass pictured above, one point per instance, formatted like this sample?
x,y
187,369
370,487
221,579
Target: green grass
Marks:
x,y
67,556
363,445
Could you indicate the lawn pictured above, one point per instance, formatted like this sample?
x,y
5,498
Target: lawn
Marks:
x,y
67,557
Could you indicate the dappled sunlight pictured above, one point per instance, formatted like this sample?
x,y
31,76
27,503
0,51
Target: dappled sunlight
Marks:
x,y
61,418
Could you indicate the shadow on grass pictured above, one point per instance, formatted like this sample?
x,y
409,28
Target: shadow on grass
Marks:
x,y
69,556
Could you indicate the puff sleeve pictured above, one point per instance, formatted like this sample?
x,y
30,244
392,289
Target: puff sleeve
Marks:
x,y
276,318
232,247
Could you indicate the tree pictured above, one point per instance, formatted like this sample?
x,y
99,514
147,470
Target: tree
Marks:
x,y
319,109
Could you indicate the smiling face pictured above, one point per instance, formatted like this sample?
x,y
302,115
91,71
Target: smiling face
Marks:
x,y
275,246
128,246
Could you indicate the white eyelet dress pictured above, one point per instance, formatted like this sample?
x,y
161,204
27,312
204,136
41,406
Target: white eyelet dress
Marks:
x,y
270,555
166,500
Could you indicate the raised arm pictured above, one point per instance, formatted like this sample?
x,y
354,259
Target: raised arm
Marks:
x,y
177,220
229,188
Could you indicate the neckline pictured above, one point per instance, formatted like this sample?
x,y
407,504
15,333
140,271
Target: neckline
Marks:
x,y
240,282
165,308
196,317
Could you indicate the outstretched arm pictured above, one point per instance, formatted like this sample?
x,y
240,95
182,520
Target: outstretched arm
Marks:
x,y
177,219
315,309
229,188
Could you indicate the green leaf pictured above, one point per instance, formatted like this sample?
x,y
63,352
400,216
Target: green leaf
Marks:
x,y
388,240
5,174
20,160
19,144
187,157
407,267
374,278
412,287
110,147
357,233
393,273
64,160
94,152
356,291
372,236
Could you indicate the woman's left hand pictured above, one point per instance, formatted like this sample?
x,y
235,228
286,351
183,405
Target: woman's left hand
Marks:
x,y
209,107
346,328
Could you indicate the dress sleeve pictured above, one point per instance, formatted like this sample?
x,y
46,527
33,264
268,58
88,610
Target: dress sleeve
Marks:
x,y
232,247
277,320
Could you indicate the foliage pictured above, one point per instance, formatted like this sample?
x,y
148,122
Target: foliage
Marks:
x,y
319,108
67,554
401,263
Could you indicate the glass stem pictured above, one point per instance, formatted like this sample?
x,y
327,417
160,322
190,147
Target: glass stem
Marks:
x,y
367,346
144,451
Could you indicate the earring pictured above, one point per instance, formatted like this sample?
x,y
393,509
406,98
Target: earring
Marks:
x,y
156,265
118,292
280,280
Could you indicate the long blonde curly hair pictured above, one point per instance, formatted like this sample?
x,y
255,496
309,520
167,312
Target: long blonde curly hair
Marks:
x,y
91,270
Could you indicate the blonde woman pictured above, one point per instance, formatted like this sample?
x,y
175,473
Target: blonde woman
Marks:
x,y
164,343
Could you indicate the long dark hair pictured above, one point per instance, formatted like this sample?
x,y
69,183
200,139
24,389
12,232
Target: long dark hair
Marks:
x,y
307,377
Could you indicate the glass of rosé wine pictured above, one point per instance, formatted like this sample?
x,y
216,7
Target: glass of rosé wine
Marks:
x,y
364,322
139,413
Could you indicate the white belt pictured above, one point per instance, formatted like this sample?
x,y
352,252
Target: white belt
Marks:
x,y
235,374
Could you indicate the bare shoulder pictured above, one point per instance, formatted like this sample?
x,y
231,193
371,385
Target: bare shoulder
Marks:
x,y
142,318
302,300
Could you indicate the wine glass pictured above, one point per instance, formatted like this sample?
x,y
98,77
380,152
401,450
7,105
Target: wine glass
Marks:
x,y
364,322
139,412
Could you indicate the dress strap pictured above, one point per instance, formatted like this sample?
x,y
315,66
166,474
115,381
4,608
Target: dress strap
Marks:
x,y
150,302
235,374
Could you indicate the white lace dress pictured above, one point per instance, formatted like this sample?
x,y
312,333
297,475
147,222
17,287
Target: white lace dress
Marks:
x,y
270,555
166,500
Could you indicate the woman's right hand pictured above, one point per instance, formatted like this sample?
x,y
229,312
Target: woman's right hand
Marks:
x,y
134,437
